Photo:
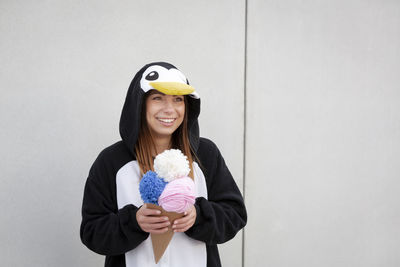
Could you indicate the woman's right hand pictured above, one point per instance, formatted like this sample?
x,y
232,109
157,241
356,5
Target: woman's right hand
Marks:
x,y
150,222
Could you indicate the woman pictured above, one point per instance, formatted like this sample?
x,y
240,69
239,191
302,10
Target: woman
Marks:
x,y
160,112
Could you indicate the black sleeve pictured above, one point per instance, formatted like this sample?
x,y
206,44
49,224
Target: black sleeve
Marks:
x,y
221,216
105,229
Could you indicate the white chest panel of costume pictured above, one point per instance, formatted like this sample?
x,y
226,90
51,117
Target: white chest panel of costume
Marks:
x,y
182,250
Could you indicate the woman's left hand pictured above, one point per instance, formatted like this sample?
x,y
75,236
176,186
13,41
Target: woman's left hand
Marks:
x,y
183,224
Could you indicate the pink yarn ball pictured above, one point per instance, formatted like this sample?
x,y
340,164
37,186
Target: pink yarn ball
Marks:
x,y
178,195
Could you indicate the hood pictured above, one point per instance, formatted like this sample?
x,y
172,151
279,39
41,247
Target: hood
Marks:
x,y
168,79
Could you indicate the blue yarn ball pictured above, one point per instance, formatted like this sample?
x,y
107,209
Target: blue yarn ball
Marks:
x,y
151,187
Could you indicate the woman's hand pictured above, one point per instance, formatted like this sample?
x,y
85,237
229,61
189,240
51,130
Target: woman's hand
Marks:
x,y
183,224
150,222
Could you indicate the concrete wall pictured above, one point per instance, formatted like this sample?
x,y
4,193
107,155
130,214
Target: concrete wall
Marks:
x,y
323,133
322,119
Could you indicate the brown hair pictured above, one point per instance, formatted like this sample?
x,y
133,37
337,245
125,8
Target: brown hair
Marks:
x,y
145,143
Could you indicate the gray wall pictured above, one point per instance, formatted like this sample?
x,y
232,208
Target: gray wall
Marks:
x,y
322,117
323,133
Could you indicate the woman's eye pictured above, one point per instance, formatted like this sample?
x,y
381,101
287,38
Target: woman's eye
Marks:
x,y
156,97
179,99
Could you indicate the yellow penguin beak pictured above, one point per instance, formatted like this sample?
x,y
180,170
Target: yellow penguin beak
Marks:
x,y
172,88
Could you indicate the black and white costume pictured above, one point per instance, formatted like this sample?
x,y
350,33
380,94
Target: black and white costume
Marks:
x,y
112,198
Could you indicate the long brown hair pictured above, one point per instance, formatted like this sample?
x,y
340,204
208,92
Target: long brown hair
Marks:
x,y
145,144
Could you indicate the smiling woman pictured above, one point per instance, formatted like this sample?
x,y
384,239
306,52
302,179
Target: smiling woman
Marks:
x,y
160,113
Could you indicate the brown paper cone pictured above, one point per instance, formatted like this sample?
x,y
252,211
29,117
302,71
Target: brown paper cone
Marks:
x,y
160,241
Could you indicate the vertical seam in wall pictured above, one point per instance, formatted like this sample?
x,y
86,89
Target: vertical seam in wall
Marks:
x,y
244,121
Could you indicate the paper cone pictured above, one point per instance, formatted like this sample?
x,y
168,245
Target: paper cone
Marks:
x,y
160,241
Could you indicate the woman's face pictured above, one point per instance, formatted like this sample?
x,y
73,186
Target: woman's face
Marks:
x,y
164,113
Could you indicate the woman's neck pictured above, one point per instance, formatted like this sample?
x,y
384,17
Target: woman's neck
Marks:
x,y
161,144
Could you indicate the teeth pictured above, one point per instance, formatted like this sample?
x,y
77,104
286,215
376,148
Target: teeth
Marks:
x,y
166,120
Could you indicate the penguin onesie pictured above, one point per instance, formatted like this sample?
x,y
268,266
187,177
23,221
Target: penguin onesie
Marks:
x,y
111,196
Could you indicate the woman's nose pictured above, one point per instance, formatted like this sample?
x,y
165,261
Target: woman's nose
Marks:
x,y
168,105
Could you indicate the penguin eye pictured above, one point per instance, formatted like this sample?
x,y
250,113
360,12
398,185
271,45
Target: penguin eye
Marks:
x,y
152,76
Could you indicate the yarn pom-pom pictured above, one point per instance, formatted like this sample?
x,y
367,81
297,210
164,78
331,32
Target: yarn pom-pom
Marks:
x,y
151,187
178,195
171,164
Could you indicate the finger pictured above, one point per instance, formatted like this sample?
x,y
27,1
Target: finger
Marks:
x,y
182,225
190,212
155,226
184,219
143,221
182,229
150,212
153,219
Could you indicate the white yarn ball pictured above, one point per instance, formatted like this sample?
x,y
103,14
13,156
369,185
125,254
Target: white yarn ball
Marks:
x,y
171,164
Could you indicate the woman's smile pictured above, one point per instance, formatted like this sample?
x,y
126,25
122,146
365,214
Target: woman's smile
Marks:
x,y
166,121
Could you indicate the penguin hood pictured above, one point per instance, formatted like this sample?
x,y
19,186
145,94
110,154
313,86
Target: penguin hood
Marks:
x,y
167,79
